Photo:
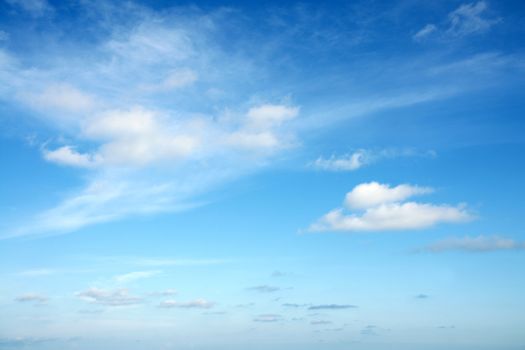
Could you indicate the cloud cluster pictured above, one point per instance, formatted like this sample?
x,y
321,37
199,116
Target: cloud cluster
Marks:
x,y
383,207
474,244
136,275
117,297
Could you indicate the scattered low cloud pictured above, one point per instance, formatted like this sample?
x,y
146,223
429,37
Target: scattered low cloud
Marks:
x,y
117,297
164,293
332,307
278,274
268,318
193,304
24,342
133,276
264,289
382,208
32,298
370,330
474,244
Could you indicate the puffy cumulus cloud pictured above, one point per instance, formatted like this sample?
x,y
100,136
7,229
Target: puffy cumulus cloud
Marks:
x,y
32,298
134,276
382,208
268,115
193,304
371,194
477,244
117,297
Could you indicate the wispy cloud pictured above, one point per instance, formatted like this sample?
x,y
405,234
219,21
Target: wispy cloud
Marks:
x,y
363,157
383,208
264,289
474,244
32,298
468,19
193,304
332,307
136,275
268,318
117,297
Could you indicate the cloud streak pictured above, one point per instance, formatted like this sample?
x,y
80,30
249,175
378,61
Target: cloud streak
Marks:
x,y
474,244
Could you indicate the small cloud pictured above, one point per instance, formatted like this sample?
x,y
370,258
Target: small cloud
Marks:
x,y
164,293
67,155
468,19
363,157
268,318
133,276
422,296
264,289
294,305
61,97
447,327
278,274
193,304
117,297
382,208
369,330
320,322
32,298
477,244
332,307
424,32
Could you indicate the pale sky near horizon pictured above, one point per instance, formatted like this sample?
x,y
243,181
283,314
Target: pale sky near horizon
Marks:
x,y
262,175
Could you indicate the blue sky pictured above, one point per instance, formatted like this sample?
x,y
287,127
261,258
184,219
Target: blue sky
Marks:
x,y
273,175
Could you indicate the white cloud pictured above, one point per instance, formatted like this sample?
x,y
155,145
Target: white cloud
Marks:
x,y
194,304
383,209
60,97
474,244
117,297
134,276
66,155
371,194
424,32
268,116
346,162
268,318
32,298
363,157
174,80
467,19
